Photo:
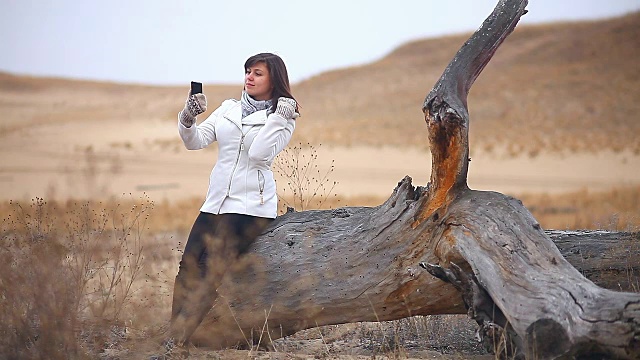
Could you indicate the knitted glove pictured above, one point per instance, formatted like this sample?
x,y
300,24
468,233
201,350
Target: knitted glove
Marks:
x,y
286,108
195,105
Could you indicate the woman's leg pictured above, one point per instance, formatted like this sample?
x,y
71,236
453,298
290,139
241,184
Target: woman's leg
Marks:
x,y
244,230
214,244
190,276
233,236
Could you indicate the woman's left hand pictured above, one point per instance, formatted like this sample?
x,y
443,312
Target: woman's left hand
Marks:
x,y
286,108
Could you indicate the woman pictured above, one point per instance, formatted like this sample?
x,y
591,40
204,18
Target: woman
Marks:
x,y
241,200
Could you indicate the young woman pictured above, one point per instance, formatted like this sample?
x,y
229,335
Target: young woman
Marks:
x,y
241,200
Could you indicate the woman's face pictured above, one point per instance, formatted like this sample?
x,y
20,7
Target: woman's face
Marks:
x,y
257,81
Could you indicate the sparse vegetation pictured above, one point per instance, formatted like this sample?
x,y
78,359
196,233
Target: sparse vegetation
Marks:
x,y
615,209
85,279
71,278
306,185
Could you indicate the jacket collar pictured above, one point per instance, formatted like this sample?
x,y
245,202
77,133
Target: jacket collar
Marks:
x,y
234,114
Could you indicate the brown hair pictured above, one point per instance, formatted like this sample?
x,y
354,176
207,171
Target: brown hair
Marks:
x,y
277,72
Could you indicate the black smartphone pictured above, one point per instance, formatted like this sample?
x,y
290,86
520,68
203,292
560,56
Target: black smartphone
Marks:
x,y
196,87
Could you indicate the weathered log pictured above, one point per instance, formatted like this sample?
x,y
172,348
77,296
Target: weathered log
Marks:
x,y
610,259
521,283
324,267
364,264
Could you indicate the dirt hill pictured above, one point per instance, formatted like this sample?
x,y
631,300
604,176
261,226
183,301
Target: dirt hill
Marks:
x,y
566,86
556,87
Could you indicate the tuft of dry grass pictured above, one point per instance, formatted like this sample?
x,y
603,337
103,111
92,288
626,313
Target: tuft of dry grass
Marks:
x,y
415,337
615,209
71,278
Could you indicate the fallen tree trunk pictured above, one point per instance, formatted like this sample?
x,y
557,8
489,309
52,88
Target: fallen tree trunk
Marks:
x,y
610,259
525,296
498,265
361,264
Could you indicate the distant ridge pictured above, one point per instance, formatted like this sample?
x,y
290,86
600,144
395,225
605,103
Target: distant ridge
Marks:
x,y
556,87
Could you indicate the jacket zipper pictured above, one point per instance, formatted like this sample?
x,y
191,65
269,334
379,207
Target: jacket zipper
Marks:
x,y
235,166
261,186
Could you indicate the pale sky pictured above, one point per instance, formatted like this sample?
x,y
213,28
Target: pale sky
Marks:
x,y
173,42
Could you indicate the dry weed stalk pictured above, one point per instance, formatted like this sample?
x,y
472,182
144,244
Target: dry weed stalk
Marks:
x,y
304,178
67,284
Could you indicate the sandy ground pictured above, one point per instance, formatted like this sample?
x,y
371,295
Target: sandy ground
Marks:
x,y
100,159
81,160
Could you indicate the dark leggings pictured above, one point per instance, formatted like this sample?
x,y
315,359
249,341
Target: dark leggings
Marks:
x,y
214,243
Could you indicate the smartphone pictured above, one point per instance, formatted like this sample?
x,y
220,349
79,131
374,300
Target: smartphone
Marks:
x,y
196,87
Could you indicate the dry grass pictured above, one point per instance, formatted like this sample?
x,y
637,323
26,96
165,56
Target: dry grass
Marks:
x,y
616,209
83,279
305,185
72,278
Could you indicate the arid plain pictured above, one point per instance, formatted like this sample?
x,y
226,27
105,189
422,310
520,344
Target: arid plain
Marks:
x,y
554,121
554,111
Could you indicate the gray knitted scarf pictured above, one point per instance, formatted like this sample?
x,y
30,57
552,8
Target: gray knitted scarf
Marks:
x,y
250,105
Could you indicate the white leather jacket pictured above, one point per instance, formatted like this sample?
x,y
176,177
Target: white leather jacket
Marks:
x,y
241,181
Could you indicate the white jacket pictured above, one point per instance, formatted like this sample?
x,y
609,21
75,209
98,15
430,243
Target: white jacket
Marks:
x,y
241,181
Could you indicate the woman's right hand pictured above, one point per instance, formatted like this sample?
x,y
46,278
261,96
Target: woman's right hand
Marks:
x,y
195,105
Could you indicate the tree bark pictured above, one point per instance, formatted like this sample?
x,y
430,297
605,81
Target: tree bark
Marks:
x,y
355,264
609,259
529,295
